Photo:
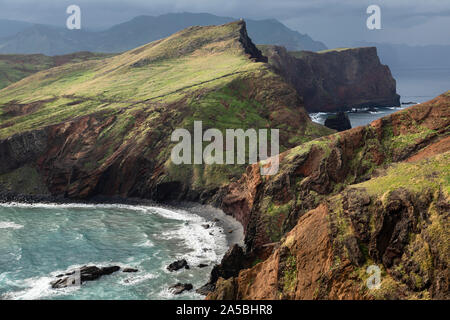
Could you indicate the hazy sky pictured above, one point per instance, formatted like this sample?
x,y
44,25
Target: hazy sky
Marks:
x,y
337,23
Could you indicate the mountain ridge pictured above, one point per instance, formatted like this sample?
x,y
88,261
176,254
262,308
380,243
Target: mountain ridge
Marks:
x,y
83,127
52,40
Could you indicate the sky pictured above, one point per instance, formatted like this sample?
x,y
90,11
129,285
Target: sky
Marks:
x,y
336,23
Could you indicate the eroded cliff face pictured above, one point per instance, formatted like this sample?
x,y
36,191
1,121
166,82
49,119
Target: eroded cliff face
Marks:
x,y
336,80
402,231
373,195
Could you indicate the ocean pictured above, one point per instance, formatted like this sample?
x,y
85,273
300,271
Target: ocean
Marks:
x,y
40,241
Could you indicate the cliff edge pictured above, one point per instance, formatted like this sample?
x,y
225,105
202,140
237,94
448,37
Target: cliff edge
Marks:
x,y
336,80
373,195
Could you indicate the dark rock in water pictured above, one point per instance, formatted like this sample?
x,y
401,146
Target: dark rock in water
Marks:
x,y
64,282
206,226
177,265
409,102
130,270
181,287
339,122
202,265
86,273
93,273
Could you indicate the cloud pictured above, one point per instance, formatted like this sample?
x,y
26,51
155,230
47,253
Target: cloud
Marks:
x,y
327,20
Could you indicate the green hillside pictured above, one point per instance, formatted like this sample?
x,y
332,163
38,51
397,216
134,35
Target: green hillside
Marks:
x,y
14,67
214,74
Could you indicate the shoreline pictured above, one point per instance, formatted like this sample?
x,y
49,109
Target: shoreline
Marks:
x,y
213,215
216,217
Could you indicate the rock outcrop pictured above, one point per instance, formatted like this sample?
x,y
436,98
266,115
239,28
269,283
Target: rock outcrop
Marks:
x,y
338,122
336,80
177,265
398,228
179,288
86,273
371,195
232,262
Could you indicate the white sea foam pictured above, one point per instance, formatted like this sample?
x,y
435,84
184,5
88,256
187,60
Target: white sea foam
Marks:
x,y
74,206
203,244
318,117
10,225
147,244
36,288
135,279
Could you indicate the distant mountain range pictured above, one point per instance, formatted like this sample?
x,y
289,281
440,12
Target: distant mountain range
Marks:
x,y
11,27
25,38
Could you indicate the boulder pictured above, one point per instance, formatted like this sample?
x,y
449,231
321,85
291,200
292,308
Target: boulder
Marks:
x,y
181,287
177,265
339,122
86,273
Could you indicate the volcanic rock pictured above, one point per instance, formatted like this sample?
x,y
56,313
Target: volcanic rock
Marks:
x,y
339,122
180,287
86,273
177,265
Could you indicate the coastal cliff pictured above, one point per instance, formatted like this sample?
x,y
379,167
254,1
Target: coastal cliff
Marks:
x,y
373,195
336,80
103,126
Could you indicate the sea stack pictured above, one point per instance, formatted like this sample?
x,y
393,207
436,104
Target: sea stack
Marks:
x,y
339,122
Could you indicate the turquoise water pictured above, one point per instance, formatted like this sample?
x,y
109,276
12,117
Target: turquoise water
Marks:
x,y
38,242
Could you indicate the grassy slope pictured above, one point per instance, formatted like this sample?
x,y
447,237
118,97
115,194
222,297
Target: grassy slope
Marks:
x,y
160,72
200,73
14,67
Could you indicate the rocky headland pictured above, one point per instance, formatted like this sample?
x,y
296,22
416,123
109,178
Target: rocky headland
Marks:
x,y
336,80
340,202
